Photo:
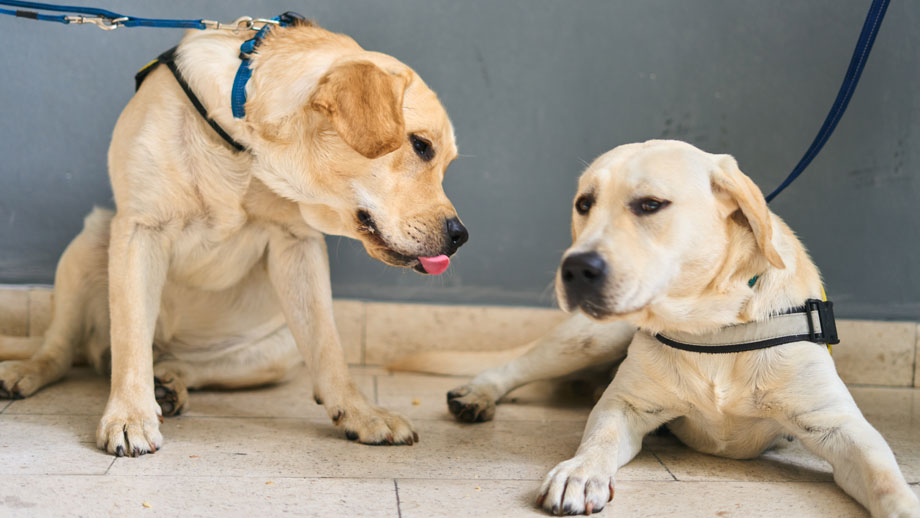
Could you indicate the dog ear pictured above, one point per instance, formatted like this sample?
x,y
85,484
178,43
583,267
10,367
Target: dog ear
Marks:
x,y
364,104
728,178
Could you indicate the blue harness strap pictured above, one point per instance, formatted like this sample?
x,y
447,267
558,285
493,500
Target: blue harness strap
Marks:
x,y
244,72
850,80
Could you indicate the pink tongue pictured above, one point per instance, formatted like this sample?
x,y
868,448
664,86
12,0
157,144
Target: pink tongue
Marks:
x,y
435,265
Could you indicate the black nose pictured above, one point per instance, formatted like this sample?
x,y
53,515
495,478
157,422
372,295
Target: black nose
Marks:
x,y
583,275
456,235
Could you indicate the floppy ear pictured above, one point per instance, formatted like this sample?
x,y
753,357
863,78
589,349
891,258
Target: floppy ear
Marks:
x,y
364,104
729,179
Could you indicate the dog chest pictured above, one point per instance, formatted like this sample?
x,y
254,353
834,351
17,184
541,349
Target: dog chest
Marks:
x,y
205,259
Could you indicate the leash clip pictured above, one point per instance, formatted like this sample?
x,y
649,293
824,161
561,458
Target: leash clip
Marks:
x,y
243,23
106,24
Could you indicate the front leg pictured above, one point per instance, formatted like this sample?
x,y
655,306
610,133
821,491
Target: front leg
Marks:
x,y
299,271
821,413
575,344
138,260
613,436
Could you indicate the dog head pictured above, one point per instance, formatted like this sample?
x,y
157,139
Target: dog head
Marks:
x,y
658,222
363,150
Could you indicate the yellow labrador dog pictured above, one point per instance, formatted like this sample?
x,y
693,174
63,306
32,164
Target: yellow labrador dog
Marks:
x,y
681,244
213,270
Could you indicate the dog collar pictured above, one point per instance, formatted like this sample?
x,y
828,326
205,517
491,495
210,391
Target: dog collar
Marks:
x,y
812,322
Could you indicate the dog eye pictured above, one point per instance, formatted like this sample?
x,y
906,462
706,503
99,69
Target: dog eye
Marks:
x,y
646,206
422,147
583,204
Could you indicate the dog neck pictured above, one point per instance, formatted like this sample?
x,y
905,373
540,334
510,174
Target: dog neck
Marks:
x,y
730,297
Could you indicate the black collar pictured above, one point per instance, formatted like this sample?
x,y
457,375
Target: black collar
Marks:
x,y
168,58
813,322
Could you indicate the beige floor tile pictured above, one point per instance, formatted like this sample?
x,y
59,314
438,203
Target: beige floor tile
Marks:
x,y
349,319
14,312
292,398
789,462
84,392
895,413
40,307
876,353
314,448
634,499
425,397
48,444
194,496
394,330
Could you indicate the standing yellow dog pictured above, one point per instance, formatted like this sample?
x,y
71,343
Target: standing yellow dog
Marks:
x,y
213,270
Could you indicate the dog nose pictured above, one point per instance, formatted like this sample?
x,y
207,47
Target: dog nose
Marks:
x,y
583,275
456,234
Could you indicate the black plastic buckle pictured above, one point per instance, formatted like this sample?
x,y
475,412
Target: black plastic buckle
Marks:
x,y
825,310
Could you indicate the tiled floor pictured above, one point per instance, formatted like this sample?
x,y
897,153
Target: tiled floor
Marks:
x,y
272,451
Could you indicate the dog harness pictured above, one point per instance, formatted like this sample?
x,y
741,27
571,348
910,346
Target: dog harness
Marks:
x,y
812,322
243,73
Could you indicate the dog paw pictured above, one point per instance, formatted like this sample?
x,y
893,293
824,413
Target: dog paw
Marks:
x,y
373,425
171,394
127,430
577,486
19,379
471,404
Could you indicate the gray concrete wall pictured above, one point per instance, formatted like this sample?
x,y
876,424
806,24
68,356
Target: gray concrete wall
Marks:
x,y
536,88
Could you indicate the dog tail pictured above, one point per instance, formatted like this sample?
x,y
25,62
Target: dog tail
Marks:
x,y
456,363
18,347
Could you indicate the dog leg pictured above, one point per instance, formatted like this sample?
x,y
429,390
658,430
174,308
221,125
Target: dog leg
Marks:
x,y
613,436
267,360
575,344
79,284
821,413
138,261
299,270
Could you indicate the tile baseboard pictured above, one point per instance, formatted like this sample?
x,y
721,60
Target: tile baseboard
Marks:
x,y
377,333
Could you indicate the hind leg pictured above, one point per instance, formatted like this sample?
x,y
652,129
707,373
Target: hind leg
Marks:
x,y
265,361
80,314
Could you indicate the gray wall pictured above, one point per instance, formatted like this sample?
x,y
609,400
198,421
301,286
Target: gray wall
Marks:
x,y
535,89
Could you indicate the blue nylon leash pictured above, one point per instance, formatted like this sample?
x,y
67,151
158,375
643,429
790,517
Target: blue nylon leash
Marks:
x,y
102,18
850,80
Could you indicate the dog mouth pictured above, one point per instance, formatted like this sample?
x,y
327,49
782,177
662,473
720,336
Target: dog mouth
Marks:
x,y
426,265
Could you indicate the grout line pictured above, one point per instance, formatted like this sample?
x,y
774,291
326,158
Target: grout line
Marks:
x,y
29,313
7,405
662,464
110,466
398,506
376,392
916,382
363,333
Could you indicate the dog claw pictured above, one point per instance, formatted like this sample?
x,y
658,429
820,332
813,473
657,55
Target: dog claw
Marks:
x,y
351,436
120,451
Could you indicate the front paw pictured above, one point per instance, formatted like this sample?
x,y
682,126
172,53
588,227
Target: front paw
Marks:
x,y
471,404
581,485
127,429
369,424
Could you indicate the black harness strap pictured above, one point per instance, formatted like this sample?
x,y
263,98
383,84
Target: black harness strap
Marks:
x,y
168,58
827,334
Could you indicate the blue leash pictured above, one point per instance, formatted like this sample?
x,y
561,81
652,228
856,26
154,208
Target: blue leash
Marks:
x,y
108,20
850,80
102,18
